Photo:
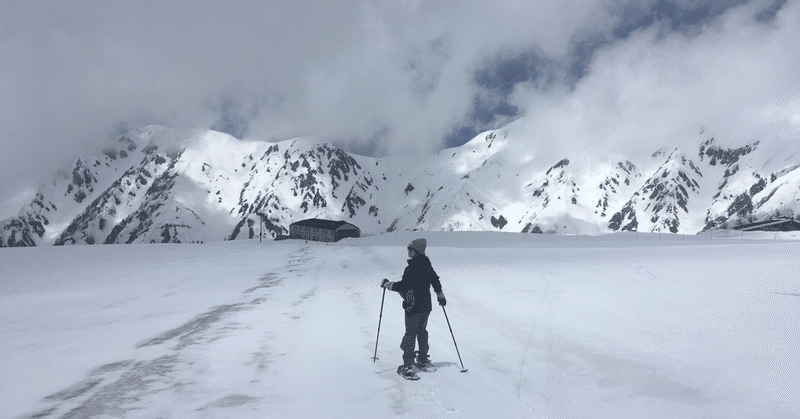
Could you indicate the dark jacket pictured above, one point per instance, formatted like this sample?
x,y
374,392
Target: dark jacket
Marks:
x,y
415,287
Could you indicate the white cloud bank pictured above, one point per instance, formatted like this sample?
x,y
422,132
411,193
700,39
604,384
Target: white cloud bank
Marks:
x,y
736,78
73,73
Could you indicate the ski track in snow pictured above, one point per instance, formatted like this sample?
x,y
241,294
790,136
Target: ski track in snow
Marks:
x,y
296,340
126,382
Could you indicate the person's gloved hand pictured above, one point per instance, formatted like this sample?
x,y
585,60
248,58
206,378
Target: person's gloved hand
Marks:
x,y
385,283
441,299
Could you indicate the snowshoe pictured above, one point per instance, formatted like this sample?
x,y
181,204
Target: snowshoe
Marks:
x,y
425,365
407,372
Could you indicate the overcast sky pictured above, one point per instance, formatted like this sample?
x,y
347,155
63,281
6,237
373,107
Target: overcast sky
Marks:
x,y
395,76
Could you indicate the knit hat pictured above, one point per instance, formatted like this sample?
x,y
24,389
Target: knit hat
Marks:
x,y
418,246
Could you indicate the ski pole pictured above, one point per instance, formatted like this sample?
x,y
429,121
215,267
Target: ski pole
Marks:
x,y
375,357
454,340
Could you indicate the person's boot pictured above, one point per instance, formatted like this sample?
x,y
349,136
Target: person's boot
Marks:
x,y
407,372
425,364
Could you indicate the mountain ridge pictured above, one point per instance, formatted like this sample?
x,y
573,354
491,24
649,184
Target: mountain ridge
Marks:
x,y
160,184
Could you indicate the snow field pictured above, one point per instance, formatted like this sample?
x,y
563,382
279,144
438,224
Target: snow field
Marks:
x,y
548,326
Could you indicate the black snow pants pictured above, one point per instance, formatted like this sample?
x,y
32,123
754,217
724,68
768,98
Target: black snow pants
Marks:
x,y
416,330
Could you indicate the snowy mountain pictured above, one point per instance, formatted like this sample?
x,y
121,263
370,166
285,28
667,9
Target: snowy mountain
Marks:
x,y
158,184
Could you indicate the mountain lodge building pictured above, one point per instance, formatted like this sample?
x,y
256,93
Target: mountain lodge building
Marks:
x,y
322,230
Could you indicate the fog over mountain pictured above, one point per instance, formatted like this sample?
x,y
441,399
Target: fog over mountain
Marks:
x,y
395,79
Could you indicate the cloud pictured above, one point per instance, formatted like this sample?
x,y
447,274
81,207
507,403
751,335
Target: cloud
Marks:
x,y
736,78
73,73
382,76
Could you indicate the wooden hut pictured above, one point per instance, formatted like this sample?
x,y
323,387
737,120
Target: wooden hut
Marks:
x,y
322,230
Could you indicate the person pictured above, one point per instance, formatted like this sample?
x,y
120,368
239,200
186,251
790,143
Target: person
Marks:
x,y
414,287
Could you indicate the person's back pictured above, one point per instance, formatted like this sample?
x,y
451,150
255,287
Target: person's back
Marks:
x,y
415,286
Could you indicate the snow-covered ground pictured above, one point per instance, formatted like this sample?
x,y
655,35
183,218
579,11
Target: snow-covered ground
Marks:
x,y
619,326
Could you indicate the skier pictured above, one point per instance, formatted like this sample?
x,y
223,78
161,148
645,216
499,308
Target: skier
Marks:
x,y
414,287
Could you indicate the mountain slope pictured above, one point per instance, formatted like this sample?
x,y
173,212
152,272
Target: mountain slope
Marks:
x,y
158,184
